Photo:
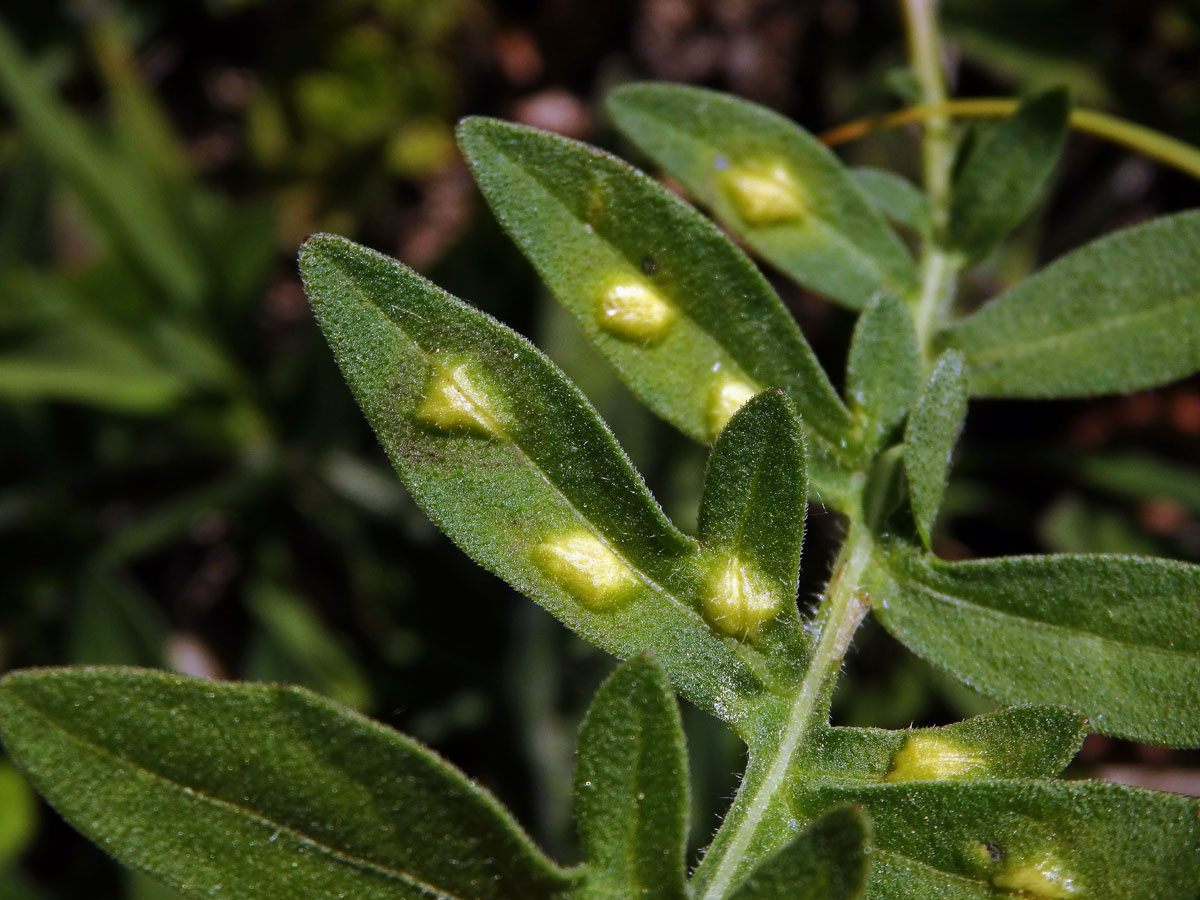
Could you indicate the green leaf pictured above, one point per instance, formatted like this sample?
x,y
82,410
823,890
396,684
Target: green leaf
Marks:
x,y
884,368
827,861
631,787
933,430
1005,170
1115,315
259,791
512,463
1115,637
1021,742
773,183
898,199
752,521
683,315
1041,840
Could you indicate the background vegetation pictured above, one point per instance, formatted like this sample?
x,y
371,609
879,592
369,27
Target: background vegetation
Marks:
x,y
187,483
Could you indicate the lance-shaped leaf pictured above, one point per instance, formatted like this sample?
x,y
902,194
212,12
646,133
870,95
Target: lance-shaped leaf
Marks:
x,y
773,183
1118,314
685,317
933,430
752,523
1021,742
631,787
1040,840
898,199
512,463
1115,637
257,791
829,860
1004,172
884,368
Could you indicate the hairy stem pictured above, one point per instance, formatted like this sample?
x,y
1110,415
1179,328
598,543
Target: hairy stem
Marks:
x,y
939,267
759,819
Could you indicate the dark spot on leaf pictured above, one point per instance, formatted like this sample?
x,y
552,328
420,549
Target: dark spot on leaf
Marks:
x,y
994,850
649,265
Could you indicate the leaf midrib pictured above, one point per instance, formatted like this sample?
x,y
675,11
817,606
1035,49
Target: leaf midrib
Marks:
x,y
186,790
650,582
830,402
1003,352
992,611
884,278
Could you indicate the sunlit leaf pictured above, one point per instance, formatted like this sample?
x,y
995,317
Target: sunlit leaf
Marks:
x,y
631,787
829,860
1022,742
685,317
929,439
1042,840
1004,172
773,183
884,368
261,792
898,199
1115,637
1115,315
510,460
752,525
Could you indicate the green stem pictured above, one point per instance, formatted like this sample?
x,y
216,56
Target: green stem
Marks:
x,y
939,266
937,151
939,274
759,815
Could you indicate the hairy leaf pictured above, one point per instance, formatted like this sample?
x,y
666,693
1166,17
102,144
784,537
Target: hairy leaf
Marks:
x,y
1042,840
261,792
773,183
827,861
1118,314
631,787
685,317
1115,637
1004,172
898,199
884,368
1021,742
933,430
515,466
752,523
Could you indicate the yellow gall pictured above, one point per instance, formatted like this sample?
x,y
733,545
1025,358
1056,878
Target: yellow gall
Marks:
x,y
933,757
725,397
737,600
584,565
764,195
1044,879
634,311
454,400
